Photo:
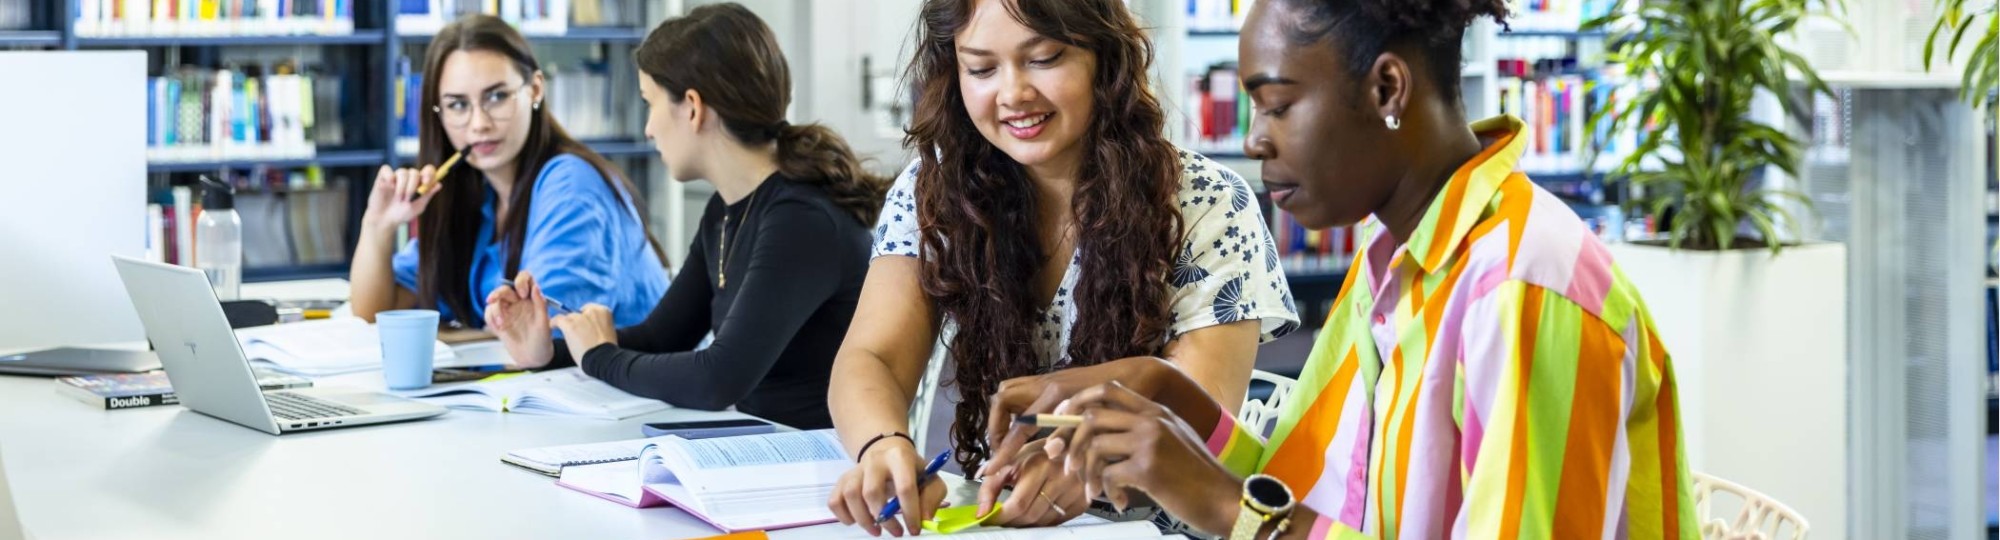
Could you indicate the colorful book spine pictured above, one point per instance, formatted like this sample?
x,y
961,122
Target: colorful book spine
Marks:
x,y
532,17
171,18
226,114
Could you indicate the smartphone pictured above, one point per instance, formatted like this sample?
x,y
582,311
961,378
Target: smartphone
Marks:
x,y
709,428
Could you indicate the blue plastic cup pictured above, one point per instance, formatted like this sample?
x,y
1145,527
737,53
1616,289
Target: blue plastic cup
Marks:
x,y
409,339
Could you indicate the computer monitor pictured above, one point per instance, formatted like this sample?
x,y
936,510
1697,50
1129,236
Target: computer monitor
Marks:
x,y
75,190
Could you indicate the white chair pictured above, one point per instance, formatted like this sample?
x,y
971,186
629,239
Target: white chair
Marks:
x,y
1759,518
927,397
1260,416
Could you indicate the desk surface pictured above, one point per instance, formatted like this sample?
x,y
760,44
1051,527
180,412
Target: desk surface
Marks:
x,y
168,472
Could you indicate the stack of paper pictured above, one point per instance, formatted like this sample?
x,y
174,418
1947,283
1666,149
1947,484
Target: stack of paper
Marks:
x,y
562,392
323,347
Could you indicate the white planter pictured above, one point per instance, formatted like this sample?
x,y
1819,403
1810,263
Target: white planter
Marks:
x,y
1759,345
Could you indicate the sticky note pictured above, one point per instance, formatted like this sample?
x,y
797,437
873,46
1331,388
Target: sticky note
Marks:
x,y
958,518
747,535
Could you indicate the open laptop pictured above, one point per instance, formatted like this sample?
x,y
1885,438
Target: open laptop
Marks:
x,y
211,375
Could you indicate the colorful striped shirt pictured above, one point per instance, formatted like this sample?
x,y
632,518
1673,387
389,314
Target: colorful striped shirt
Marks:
x,y
1496,376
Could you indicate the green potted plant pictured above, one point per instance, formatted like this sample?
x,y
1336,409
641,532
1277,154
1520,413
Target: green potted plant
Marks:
x,y
1754,332
1700,150
1955,22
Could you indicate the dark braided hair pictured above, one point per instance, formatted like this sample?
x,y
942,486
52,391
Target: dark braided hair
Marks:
x,y
1365,28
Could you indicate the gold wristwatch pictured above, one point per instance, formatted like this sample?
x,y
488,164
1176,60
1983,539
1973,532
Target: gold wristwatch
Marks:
x,y
1265,499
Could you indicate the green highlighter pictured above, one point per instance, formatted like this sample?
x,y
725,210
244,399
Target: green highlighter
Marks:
x,y
958,518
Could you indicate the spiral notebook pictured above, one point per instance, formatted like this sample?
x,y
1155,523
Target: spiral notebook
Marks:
x,y
550,460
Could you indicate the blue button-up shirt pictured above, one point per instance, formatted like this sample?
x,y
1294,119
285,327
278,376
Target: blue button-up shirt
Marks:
x,y
583,244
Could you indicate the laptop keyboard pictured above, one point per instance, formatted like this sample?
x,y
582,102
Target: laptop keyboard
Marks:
x,y
290,406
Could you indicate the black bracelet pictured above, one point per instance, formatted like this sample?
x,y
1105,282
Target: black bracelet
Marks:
x,y
871,442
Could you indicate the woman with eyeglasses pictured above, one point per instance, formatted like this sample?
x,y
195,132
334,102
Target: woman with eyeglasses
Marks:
x,y
778,259
522,197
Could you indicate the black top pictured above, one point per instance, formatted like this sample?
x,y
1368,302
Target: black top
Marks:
x,y
796,264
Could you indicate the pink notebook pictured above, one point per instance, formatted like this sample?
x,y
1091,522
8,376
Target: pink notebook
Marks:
x,y
755,482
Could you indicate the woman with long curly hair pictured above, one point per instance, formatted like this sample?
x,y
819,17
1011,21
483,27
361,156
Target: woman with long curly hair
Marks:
x,y
1047,224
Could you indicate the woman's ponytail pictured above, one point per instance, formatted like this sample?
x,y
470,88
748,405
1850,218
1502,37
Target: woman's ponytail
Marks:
x,y
814,154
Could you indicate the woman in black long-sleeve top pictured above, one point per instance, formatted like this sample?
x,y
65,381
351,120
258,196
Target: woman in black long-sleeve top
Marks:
x,y
777,264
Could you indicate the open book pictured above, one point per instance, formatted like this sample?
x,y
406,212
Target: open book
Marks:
x,y
1085,527
770,481
324,347
563,392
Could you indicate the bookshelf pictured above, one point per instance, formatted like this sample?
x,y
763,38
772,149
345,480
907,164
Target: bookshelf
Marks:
x,y
1544,68
351,50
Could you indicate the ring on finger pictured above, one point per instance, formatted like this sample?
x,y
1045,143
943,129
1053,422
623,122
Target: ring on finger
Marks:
x,y
1052,504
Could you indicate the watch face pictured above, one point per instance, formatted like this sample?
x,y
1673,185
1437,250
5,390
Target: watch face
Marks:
x,y
1268,491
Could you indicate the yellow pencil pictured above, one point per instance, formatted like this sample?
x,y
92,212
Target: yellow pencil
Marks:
x,y
439,176
1049,420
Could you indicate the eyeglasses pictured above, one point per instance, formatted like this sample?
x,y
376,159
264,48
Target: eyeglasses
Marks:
x,y
498,104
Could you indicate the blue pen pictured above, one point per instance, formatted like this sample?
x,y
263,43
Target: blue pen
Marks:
x,y
560,308
931,470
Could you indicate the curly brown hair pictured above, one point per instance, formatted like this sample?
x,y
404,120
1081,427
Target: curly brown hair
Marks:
x,y
977,207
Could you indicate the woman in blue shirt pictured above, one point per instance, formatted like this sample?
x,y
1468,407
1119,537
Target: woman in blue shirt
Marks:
x,y
524,197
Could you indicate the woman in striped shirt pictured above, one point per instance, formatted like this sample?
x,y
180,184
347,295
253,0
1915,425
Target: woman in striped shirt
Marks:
x,y
1486,372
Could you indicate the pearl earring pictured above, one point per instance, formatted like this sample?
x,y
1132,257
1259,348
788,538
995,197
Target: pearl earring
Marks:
x,y
1393,122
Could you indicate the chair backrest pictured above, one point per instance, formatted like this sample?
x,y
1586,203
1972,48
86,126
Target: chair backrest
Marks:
x,y
1260,415
10,522
924,403
1759,518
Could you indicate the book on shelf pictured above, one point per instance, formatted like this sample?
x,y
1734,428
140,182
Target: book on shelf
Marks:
x,y
582,99
15,14
1217,15
1555,15
290,218
1549,90
206,18
230,114
1217,110
151,389
532,17
1307,251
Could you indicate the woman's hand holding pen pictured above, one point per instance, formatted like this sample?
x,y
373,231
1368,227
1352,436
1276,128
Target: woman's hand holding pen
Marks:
x,y
586,329
889,468
394,200
519,315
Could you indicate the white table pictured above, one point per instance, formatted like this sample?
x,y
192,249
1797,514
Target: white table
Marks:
x,y
168,472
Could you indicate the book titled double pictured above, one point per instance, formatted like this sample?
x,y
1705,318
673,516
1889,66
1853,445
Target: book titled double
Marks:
x,y
151,389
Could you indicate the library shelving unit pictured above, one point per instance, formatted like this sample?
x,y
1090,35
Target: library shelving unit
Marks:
x,y
352,50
